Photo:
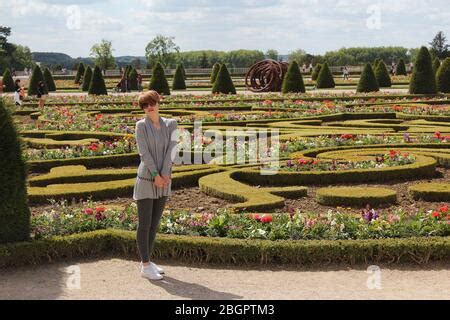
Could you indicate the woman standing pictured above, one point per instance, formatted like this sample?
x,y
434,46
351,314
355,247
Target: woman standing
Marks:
x,y
156,139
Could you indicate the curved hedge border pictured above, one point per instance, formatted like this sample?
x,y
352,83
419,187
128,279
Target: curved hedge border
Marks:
x,y
423,167
224,250
222,185
103,188
354,196
433,192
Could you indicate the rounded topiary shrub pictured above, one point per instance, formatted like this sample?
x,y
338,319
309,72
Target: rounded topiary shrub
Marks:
x,y
14,211
382,75
8,81
48,79
401,68
87,79
223,83
178,79
97,85
325,78
423,80
158,81
316,72
80,73
293,81
36,77
133,79
443,77
215,72
368,81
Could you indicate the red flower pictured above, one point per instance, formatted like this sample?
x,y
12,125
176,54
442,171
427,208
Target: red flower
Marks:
x,y
100,209
436,214
255,216
437,134
347,136
89,211
93,147
443,209
266,219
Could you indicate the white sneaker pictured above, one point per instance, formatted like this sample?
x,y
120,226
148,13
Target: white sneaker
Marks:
x,y
150,272
161,271
158,269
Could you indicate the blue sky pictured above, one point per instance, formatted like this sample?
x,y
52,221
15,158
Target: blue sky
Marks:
x,y
316,26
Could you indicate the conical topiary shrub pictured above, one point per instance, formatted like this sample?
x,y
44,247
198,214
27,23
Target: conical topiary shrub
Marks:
x,y
368,81
36,77
87,79
8,81
382,75
401,68
223,83
133,79
97,85
158,82
80,73
316,72
178,79
214,72
293,81
14,211
443,77
436,65
183,70
325,78
423,80
49,82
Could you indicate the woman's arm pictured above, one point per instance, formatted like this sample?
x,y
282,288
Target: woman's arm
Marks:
x,y
143,150
168,158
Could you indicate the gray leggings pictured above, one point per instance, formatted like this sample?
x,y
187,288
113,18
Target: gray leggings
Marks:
x,y
149,213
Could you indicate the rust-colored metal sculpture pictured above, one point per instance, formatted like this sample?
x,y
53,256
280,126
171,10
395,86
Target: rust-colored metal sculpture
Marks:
x,y
266,76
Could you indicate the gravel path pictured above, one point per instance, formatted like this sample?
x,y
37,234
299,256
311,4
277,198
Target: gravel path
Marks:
x,y
119,279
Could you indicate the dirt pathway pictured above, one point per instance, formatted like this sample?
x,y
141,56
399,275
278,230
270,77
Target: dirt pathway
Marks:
x,y
118,279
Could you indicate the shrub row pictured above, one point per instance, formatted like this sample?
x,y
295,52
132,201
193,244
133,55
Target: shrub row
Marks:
x,y
224,250
222,185
424,167
434,192
354,196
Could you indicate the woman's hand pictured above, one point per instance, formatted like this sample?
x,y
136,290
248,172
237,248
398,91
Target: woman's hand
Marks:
x,y
160,182
166,179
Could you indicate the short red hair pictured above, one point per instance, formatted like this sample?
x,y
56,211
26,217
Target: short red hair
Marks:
x,y
149,98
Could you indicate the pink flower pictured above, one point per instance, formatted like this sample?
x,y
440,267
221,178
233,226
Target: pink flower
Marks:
x,y
89,211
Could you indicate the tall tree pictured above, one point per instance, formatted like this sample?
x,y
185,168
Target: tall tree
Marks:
x,y
162,49
439,46
272,54
102,54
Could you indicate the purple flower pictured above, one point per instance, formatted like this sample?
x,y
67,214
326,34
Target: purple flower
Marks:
x,y
369,214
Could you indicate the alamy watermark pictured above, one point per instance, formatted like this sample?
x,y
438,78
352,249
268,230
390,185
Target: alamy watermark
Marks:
x,y
259,147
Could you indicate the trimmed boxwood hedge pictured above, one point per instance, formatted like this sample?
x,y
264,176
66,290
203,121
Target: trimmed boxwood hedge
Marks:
x,y
227,251
222,185
434,192
106,189
423,167
355,196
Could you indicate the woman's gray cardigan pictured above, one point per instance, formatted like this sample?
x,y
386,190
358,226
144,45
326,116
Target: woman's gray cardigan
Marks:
x,y
151,160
